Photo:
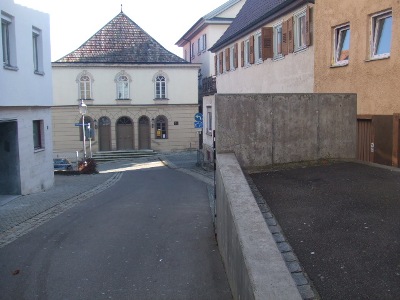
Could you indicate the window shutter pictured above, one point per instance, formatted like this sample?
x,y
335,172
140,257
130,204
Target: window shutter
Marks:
x,y
251,42
215,65
285,43
290,36
308,29
235,50
267,40
242,53
221,62
227,59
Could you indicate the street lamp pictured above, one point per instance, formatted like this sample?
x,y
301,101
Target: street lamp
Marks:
x,y
83,111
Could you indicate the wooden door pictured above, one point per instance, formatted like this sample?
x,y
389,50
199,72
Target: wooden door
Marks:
x,y
365,140
124,134
104,134
144,133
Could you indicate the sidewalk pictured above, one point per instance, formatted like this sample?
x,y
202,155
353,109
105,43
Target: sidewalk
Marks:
x,y
21,214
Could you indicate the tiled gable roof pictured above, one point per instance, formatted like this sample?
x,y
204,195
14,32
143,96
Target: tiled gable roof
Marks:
x,y
252,13
121,41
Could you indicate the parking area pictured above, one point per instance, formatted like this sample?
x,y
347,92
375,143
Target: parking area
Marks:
x,y
343,222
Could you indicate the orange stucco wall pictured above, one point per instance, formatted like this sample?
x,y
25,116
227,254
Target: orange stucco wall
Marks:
x,y
376,82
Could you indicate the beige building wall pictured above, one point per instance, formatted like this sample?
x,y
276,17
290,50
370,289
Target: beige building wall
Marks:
x,y
181,132
293,73
374,81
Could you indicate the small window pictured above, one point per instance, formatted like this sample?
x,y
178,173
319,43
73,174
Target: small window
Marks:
x,y
300,32
258,47
37,51
381,35
199,46
122,87
161,127
278,46
232,58
209,120
204,42
192,49
38,142
160,87
342,45
246,53
8,42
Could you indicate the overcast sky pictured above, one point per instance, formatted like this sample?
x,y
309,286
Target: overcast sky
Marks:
x,y
72,22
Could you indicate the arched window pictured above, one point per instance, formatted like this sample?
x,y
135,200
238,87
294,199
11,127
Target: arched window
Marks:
x,y
85,80
161,127
161,87
122,87
89,129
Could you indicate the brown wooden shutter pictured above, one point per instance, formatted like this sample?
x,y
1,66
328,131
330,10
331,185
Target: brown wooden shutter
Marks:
x,y
267,34
290,36
221,62
227,59
215,65
242,53
251,42
285,43
308,29
235,61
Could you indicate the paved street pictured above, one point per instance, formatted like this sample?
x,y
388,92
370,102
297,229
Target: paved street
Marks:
x,y
144,232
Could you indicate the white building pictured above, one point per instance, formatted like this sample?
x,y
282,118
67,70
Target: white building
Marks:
x,y
195,43
139,95
26,145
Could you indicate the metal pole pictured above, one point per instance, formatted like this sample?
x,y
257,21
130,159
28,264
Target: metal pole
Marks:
x,y
90,140
84,137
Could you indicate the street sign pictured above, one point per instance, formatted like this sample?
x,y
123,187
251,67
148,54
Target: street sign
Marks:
x,y
198,124
80,124
198,117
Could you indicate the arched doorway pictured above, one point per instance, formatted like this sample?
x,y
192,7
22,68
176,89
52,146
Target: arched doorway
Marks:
x,y
124,133
104,134
144,133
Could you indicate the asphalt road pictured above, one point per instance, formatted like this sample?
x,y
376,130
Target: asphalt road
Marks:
x,y
149,236
343,222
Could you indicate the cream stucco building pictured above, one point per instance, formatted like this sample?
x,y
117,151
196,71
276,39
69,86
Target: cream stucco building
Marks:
x,y
26,146
139,95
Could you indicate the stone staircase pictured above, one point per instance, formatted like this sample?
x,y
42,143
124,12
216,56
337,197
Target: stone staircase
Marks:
x,y
105,156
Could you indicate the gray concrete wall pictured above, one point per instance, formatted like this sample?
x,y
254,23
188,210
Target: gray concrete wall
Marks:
x,y
253,263
266,129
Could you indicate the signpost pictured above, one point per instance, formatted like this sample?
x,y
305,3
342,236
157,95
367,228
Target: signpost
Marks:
x,y
198,121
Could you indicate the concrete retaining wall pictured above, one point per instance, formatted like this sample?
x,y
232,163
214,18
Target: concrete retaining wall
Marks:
x,y
254,265
266,129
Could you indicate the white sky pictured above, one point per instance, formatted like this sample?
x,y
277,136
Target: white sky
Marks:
x,y
73,22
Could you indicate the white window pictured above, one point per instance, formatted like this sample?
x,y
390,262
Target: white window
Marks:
x,y
247,52
209,120
198,46
8,42
37,51
123,87
300,32
258,47
85,87
204,42
342,45
277,36
381,35
232,58
38,142
160,87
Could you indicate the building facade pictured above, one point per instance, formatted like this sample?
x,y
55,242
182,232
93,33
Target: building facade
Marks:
x,y
195,44
26,145
139,95
358,52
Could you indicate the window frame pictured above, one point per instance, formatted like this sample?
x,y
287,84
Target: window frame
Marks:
x,y
258,47
124,86
300,33
160,87
161,123
232,58
204,42
37,51
8,42
247,52
209,121
338,44
85,87
192,55
277,32
38,135
376,36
